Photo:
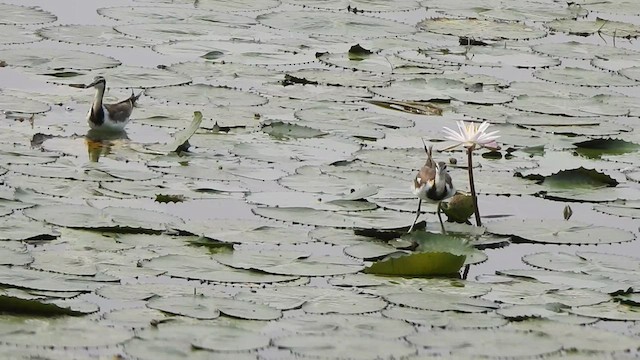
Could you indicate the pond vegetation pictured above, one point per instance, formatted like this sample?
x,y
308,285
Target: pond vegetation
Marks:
x,y
257,204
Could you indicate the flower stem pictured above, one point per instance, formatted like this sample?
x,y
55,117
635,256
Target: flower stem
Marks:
x,y
474,197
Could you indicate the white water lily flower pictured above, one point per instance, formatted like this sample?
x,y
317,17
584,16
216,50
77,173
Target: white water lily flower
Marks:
x,y
471,135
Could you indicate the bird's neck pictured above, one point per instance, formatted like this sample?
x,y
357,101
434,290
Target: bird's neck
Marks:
x,y
97,99
440,181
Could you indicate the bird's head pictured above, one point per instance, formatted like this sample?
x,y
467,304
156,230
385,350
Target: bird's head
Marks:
x,y
98,81
441,168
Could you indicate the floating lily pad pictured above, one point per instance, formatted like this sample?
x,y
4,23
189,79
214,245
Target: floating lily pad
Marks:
x,y
501,342
15,14
440,301
20,227
583,77
223,5
16,35
373,219
221,55
285,130
373,63
357,117
170,14
84,216
315,300
56,59
201,94
596,148
9,103
493,56
620,209
334,24
335,346
577,106
64,332
418,264
447,319
91,35
179,31
578,50
358,5
598,26
41,280
205,307
534,293
369,327
558,231
129,77
231,339
584,338
309,200
336,77
573,280
207,269
481,29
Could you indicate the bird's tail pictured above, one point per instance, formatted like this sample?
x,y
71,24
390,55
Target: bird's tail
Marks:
x,y
429,151
134,98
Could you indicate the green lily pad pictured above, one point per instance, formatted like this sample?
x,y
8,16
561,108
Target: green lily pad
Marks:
x,y
578,50
309,200
248,232
620,209
575,106
20,227
369,219
522,292
555,231
418,264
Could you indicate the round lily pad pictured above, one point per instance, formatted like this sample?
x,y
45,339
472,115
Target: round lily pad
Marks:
x,y
583,77
91,35
207,269
359,5
553,231
9,103
201,94
231,339
446,319
57,59
334,24
64,332
481,29
170,14
129,77
206,307
335,346
493,56
597,26
500,342
440,301
578,50
15,14
16,35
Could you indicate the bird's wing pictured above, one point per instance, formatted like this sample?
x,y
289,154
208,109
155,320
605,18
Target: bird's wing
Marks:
x,y
121,111
426,175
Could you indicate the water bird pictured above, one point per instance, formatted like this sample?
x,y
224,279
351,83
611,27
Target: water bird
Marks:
x,y
111,117
432,184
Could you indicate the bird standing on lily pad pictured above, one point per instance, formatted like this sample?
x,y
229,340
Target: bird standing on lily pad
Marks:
x,y
432,184
109,117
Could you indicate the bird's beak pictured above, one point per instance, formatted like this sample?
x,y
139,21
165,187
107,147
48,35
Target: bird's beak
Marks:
x,y
92,84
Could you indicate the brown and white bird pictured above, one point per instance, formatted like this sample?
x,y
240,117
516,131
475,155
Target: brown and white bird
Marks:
x,y
432,184
111,117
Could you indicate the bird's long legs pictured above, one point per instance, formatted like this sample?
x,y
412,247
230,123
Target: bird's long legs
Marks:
x,y
417,215
440,217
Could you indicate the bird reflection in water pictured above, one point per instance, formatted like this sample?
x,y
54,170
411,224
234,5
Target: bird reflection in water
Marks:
x,y
99,143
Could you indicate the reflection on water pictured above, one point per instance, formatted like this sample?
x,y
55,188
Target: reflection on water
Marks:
x,y
99,142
